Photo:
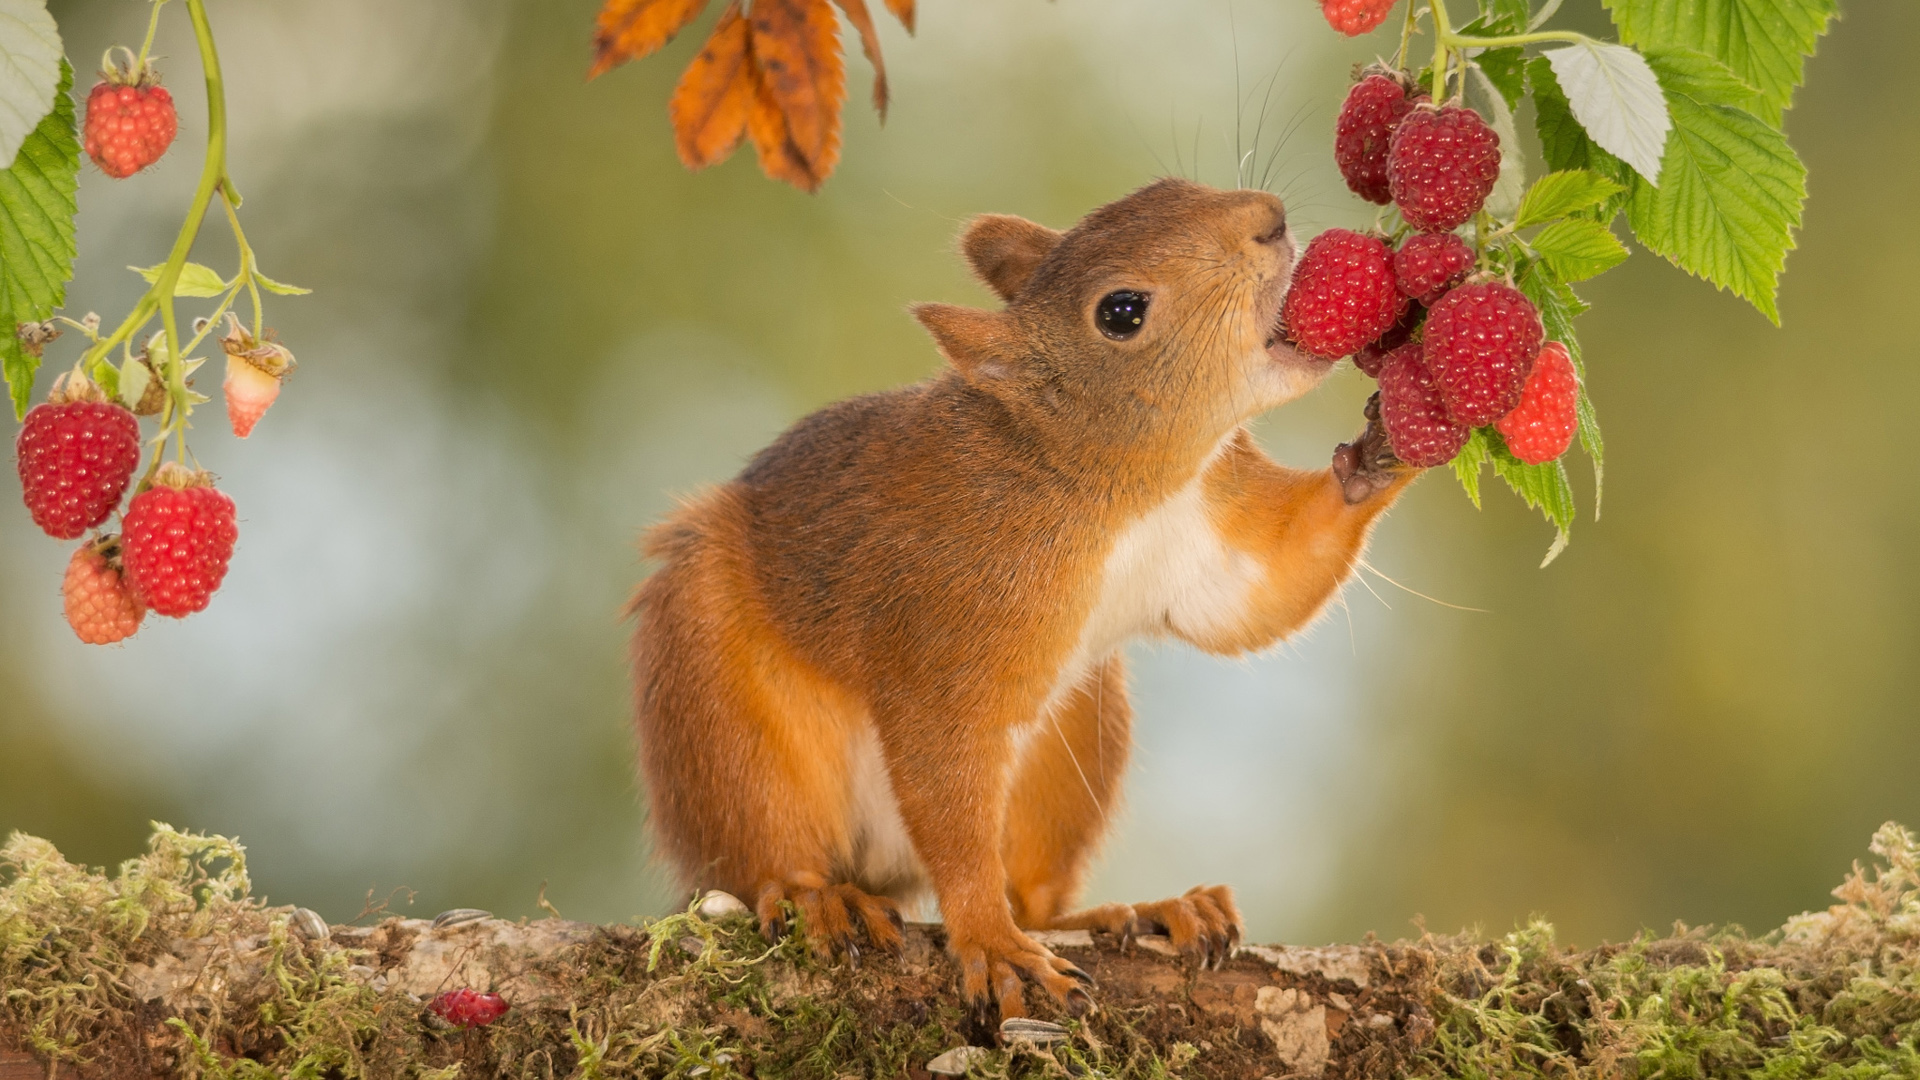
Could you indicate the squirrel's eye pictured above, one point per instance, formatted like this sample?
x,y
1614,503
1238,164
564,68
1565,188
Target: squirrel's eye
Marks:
x,y
1121,314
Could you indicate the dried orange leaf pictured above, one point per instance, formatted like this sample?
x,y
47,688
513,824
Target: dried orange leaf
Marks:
x,y
902,10
869,43
780,158
796,46
709,108
630,29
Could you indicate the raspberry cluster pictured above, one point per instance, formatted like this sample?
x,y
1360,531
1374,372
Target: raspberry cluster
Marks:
x,y
468,1008
1455,347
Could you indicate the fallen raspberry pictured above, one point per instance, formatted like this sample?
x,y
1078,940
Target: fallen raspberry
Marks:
x,y
1441,166
179,537
76,453
255,370
1428,264
1418,427
1480,344
1355,17
1541,427
100,605
130,122
468,1008
1361,137
1369,358
1343,295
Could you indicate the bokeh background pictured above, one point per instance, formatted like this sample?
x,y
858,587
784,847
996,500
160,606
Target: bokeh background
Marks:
x,y
531,328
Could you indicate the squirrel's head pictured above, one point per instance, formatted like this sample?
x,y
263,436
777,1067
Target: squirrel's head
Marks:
x,y
1155,319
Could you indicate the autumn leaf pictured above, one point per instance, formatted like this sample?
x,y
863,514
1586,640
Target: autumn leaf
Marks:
x,y
870,44
795,121
630,29
710,105
902,10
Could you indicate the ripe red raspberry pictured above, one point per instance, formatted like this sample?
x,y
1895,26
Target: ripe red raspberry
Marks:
x,y
1355,17
468,1008
101,607
1374,107
1541,427
1418,427
77,452
1370,358
1480,344
1441,165
130,122
1343,295
179,539
1429,264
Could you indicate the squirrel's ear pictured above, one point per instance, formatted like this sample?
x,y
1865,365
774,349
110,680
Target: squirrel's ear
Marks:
x,y
1004,250
979,344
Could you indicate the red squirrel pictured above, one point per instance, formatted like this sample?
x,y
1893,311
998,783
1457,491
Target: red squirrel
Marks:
x,y
887,656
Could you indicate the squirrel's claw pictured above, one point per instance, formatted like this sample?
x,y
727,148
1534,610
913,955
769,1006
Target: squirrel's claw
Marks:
x,y
1367,466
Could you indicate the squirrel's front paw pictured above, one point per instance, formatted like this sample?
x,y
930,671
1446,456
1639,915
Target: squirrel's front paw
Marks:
x,y
1367,466
837,920
994,972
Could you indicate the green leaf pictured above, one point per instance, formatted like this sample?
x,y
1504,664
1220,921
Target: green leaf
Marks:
x,y
1616,97
194,280
1544,487
1565,144
36,234
31,70
1764,43
1590,441
1511,181
1506,70
1504,16
1559,194
1704,79
1732,197
1578,249
273,286
1468,462
134,377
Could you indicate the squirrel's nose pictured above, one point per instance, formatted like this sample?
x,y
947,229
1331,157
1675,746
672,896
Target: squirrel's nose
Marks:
x,y
1274,229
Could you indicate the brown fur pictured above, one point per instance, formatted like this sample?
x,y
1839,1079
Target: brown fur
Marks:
x,y
917,567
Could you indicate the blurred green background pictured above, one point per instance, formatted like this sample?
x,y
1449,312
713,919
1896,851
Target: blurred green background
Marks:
x,y
531,328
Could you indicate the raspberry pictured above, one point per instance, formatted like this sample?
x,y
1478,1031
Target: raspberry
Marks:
x,y
1441,165
1343,295
1374,107
1540,428
1418,427
255,369
1429,264
179,539
77,452
1355,17
1370,358
1480,344
468,1008
130,123
100,606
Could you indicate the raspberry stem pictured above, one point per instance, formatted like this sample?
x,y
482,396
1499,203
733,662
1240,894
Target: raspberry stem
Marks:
x,y
153,25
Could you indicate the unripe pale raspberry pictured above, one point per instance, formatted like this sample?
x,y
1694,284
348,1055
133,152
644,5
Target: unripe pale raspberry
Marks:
x,y
1441,166
1428,264
1541,427
179,539
100,605
1418,427
255,370
128,125
1480,344
1361,137
1343,294
76,454
1355,17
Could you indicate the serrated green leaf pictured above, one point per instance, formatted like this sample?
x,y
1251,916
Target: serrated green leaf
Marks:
x,y
1732,197
1544,487
1616,97
1506,70
273,286
1504,16
1558,194
1511,181
1578,249
1704,79
1589,429
1468,463
194,280
36,234
1565,144
1764,42
134,378
31,70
